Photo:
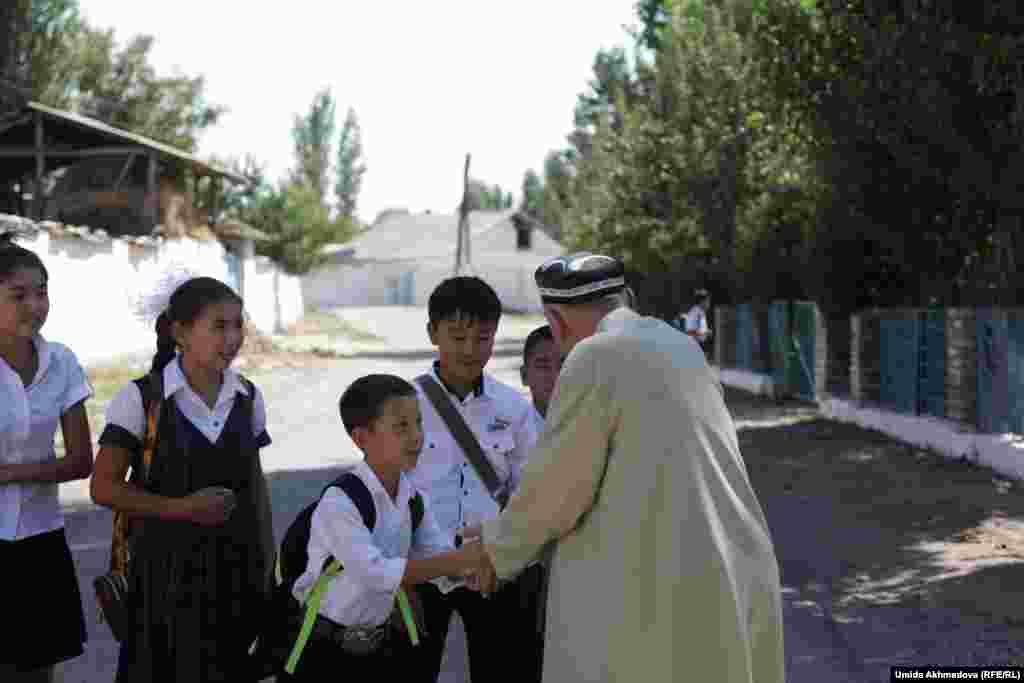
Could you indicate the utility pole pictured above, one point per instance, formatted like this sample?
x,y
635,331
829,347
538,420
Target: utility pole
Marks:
x,y
462,256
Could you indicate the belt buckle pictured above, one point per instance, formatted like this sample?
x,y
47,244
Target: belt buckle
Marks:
x,y
362,640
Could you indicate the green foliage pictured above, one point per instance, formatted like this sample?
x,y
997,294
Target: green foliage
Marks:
x,y
299,226
686,173
68,64
311,136
483,197
533,194
916,115
350,165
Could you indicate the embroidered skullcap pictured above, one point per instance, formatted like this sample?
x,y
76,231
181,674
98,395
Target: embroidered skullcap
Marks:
x,y
578,278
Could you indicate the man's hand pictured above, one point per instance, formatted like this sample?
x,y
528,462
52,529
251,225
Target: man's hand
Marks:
x,y
479,573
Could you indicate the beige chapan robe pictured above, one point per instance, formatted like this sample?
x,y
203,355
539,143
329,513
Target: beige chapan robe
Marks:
x,y
664,570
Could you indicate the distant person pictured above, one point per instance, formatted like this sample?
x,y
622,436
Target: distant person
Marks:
x,y
664,568
42,386
463,315
200,566
695,323
541,362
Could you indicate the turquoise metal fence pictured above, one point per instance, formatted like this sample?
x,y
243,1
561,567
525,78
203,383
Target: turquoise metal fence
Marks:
x,y
745,337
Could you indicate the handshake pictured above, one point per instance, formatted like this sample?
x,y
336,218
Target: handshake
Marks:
x,y
475,570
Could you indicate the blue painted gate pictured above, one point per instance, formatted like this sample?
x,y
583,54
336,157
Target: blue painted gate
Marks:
x,y
899,363
931,378
1000,371
778,330
745,337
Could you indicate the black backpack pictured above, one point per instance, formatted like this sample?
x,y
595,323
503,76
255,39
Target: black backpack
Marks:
x,y
294,553
279,621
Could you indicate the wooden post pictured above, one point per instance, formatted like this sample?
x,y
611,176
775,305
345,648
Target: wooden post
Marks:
x,y
462,236
152,200
37,189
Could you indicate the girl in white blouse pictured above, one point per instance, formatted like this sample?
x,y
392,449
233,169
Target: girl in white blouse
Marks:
x,y
41,385
200,538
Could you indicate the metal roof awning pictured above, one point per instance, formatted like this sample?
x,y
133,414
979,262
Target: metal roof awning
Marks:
x,y
72,137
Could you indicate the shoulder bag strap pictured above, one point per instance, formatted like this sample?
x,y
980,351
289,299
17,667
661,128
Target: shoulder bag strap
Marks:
x,y
153,407
464,437
151,389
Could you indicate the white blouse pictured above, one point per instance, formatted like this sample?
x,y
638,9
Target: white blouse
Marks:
x,y
29,417
125,410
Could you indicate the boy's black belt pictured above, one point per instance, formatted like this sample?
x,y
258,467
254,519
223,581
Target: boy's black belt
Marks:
x,y
356,640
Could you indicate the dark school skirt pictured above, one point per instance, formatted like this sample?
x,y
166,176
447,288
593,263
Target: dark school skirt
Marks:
x,y
46,623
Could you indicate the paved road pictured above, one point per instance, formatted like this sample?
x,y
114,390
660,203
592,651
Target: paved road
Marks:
x,y
310,445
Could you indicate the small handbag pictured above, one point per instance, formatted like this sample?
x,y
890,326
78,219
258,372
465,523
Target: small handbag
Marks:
x,y
113,592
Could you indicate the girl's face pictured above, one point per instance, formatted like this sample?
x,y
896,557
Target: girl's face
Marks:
x,y
24,303
213,340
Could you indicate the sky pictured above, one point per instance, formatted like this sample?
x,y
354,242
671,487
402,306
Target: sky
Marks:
x,y
429,81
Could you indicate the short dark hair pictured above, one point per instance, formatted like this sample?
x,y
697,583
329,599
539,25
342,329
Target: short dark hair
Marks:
x,y
361,403
540,334
16,257
467,295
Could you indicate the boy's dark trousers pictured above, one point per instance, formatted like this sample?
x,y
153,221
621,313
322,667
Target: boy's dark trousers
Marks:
x,y
501,632
325,661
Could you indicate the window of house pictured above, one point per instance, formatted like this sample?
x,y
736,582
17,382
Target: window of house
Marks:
x,y
523,238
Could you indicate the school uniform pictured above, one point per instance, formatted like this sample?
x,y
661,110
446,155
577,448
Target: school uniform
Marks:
x,y
500,418
199,589
363,594
40,581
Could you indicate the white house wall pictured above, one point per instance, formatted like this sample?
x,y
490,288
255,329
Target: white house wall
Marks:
x,y
94,284
273,299
352,284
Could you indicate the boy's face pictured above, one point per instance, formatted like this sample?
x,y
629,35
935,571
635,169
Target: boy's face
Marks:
x,y
464,346
541,370
396,436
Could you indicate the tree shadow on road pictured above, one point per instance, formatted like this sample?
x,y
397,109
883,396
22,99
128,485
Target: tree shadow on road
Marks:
x,y
869,524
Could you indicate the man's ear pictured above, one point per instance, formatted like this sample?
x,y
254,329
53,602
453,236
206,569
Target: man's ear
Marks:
x,y
432,332
522,373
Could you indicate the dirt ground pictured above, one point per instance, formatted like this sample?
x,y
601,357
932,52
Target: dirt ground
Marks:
x,y
909,532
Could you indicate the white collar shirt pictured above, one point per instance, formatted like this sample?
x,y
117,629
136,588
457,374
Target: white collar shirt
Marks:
x,y
537,420
500,418
125,410
697,320
373,562
29,417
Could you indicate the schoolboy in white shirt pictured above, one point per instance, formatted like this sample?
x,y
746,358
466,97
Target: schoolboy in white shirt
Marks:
x,y
463,318
381,414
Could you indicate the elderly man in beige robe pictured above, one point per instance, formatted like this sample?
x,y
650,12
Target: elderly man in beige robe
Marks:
x,y
663,570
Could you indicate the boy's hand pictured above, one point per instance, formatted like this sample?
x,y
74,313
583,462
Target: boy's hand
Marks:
x,y
472,533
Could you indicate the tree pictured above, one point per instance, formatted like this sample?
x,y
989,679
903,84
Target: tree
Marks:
x,y
298,225
688,170
67,64
533,194
312,135
350,165
919,147
482,197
